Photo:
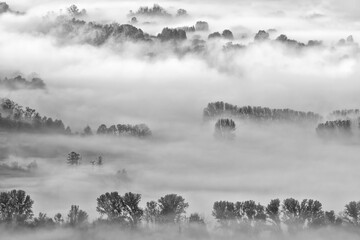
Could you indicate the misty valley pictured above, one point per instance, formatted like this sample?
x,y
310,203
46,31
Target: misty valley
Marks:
x,y
179,119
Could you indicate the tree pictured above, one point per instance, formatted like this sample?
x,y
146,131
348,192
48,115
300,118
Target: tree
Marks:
x,y
352,213
225,128
87,131
99,161
43,221
331,219
15,207
297,214
195,218
134,20
76,216
68,131
214,35
120,209
58,219
311,213
201,26
181,13
273,212
102,129
291,214
73,158
131,203
152,212
172,206
227,34
4,7
253,211
169,34
262,36
74,11
226,212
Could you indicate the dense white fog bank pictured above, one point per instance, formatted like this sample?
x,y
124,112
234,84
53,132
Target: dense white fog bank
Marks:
x,y
261,163
173,233
89,71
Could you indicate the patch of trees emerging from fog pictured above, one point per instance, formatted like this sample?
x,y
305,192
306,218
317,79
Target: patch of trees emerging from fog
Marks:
x,y
19,82
73,27
219,109
5,8
15,118
125,212
344,124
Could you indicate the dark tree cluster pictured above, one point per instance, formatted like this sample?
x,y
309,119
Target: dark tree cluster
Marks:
x,y
97,34
181,13
225,128
218,109
243,218
21,83
155,11
187,29
16,168
169,34
14,117
168,209
349,41
334,127
139,130
262,36
251,217
293,43
75,12
5,8
290,42
201,26
345,113
231,46
226,34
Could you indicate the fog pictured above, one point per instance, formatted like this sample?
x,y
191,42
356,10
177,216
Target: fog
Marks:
x,y
151,83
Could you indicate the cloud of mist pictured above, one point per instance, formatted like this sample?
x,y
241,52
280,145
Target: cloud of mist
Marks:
x,y
118,83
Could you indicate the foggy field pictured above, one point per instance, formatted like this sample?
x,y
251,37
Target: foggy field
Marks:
x,y
107,97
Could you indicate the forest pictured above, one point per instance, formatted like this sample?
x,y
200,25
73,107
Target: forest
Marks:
x,y
231,119
125,212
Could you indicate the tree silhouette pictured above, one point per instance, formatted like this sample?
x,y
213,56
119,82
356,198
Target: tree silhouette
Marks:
x,y
195,218
227,34
172,206
15,207
152,212
120,209
43,221
262,36
226,212
352,213
76,216
87,131
273,212
74,11
73,158
225,128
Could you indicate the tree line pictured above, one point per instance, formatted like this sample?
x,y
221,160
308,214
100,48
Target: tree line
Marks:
x,y
16,118
218,109
125,211
19,82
